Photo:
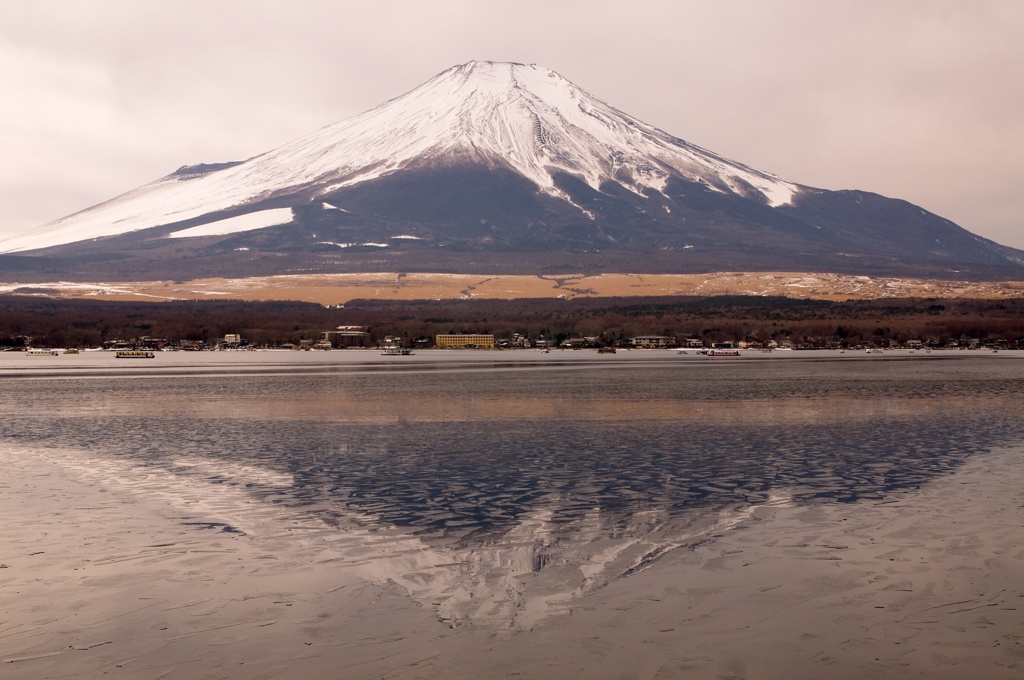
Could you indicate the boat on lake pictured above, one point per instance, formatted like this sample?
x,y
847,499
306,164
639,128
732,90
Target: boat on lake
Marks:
x,y
396,351
134,354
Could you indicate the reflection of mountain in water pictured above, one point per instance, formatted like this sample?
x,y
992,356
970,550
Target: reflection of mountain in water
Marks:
x,y
502,520
463,479
465,482
502,526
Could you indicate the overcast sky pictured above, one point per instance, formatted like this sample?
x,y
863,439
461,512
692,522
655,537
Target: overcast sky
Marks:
x,y
915,99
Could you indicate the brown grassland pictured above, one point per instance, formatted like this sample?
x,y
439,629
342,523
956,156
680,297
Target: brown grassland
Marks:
x,y
333,289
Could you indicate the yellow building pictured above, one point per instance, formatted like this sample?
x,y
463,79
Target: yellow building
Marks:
x,y
465,341
649,341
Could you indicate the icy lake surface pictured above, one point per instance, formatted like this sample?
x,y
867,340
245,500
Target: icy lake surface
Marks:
x,y
509,462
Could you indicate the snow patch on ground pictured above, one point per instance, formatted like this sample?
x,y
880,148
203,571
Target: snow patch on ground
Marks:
x,y
354,245
240,223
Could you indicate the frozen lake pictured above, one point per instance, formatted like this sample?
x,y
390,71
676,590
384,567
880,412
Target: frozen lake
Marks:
x,y
497,489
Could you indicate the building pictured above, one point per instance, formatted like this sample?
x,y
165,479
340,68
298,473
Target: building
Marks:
x,y
465,341
580,343
232,341
347,336
652,341
519,341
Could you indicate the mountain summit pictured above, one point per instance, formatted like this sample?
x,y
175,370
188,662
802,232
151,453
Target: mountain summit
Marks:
x,y
507,168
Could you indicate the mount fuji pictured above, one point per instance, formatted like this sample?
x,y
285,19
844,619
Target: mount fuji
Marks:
x,y
496,168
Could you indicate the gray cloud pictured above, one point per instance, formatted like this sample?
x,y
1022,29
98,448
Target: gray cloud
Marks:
x,y
918,99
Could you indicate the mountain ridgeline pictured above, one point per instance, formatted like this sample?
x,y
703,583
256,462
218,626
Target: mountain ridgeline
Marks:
x,y
495,168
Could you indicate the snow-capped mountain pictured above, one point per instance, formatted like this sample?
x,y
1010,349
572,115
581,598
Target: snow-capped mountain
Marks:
x,y
502,158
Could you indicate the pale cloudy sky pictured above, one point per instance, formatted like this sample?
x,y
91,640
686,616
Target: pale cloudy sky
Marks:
x,y
915,99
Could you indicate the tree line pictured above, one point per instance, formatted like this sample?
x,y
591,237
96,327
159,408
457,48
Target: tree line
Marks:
x,y
43,321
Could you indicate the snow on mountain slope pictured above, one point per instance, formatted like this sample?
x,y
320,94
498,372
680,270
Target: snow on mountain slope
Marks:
x,y
523,116
234,225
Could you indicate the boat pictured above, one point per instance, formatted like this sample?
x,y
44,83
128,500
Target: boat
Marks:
x,y
43,352
396,351
724,353
606,350
134,354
